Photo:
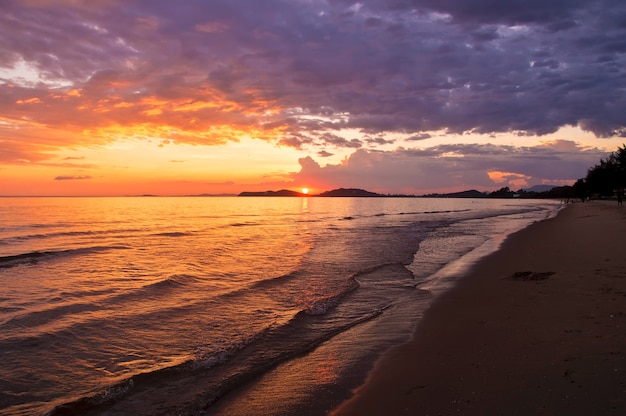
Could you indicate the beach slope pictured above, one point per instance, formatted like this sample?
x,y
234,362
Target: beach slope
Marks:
x,y
538,327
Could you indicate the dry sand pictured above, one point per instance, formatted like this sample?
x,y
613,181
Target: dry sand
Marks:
x,y
508,342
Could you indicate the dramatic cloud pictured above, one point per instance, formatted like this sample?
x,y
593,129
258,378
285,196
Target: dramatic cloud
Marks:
x,y
207,72
454,167
323,76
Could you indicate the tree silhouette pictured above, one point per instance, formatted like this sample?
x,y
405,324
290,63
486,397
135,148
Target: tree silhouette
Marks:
x,y
609,176
581,190
502,193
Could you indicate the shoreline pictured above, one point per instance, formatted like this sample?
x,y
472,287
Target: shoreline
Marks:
x,y
537,327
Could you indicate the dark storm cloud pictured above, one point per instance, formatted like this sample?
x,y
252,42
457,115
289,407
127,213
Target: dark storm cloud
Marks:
x,y
297,71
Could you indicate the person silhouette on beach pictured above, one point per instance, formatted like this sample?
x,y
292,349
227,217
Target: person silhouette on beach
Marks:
x,y
620,197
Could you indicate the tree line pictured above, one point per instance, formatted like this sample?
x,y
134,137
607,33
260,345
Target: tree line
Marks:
x,y
605,179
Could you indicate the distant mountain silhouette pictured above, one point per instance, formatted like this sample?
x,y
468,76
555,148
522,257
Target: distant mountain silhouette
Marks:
x,y
553,192
343,192
540,188
282,192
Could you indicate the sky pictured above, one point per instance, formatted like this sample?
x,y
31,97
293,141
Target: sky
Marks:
x,y
131,97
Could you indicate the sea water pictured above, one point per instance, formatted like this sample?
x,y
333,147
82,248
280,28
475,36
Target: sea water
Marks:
x,y
222,305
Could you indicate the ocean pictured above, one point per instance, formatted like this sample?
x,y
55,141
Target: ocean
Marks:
x,y
222,305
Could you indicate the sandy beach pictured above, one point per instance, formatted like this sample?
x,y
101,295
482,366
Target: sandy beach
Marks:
x,y
536,328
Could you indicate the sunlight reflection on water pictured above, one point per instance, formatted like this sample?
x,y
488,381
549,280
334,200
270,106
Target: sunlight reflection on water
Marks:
x,y
98,290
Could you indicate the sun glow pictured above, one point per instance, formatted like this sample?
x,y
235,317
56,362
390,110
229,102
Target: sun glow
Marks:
x,y
305,191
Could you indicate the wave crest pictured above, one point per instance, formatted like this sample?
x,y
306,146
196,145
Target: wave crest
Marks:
x,y
33,257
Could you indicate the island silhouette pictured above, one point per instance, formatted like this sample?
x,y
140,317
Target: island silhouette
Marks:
x,y
547,192
341,192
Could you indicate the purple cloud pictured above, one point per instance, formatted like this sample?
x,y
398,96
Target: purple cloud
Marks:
x,y
298,72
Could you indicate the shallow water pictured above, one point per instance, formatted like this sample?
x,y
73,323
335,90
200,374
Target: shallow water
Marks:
x,y
165,305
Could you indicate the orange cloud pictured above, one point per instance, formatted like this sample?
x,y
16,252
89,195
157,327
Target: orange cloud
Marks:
x,y
153,112
33,100
516,180
86,116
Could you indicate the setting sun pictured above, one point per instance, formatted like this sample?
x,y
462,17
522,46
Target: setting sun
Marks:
x,y
305,190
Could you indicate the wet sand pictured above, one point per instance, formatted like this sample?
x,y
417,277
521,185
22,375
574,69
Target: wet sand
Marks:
x,y
536,328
